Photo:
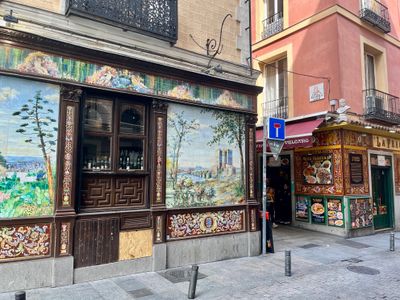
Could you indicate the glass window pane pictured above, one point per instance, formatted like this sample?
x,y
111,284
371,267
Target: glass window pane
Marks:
x,y
131,154
97,115
132,119
96,153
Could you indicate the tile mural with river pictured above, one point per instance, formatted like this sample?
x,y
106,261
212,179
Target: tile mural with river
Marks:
x,y
205,157
28,143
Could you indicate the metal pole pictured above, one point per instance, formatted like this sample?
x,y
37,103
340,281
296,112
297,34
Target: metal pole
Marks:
x,y
392,241
193,282
21,295
288,262
264,197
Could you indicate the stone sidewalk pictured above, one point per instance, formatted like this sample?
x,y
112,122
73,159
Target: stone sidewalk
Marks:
x,y
323,267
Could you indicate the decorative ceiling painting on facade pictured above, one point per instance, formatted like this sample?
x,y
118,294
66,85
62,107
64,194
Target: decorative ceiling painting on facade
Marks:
x,y
28,143
205,157
42,64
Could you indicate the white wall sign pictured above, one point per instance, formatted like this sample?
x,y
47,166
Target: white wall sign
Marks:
x,y
381,160
317,92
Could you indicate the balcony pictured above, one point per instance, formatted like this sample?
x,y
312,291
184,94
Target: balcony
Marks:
x,y
156,18
276,108
272,25
381,107
375,13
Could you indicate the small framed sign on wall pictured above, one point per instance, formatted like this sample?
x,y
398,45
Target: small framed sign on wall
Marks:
x,y
317,92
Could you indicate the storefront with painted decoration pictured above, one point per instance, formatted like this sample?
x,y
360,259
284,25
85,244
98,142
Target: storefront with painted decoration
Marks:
x,y
346,181
108,167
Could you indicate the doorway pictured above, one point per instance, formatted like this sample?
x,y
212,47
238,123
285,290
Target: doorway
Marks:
x,y
382,194
279,175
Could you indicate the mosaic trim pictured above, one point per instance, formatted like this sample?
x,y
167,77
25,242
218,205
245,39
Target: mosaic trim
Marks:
x,y
335,189
251,163
159,159
327,138
356,189
68,156
187,225
253,226
158,229
64,238
397,173
24,241
353,138
46,65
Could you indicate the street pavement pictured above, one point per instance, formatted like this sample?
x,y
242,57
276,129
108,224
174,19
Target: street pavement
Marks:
x,y
323,267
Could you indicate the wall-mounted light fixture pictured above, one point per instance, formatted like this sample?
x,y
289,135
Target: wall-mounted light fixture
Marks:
x,y
8,20
368,127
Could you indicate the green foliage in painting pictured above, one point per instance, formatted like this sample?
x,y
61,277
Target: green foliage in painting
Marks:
x,y
182,128
231,127
24,199
39,128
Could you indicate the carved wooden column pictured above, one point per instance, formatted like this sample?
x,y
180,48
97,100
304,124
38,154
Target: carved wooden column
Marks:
x,y
67,154
252,203
158,170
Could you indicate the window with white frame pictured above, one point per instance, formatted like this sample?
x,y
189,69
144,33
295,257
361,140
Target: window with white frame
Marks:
x,y
276,99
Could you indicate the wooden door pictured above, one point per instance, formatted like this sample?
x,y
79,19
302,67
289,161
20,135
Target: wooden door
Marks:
x,y
96,241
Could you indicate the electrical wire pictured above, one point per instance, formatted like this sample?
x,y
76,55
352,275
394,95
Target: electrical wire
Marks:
x,y
328,79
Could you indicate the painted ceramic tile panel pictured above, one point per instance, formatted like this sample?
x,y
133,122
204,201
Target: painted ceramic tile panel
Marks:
x,y
28,143
195,224
205,157
47,65
23,241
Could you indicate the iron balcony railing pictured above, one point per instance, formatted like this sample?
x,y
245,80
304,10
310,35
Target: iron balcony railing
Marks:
x,y
376,14
272,25
277,108
157,18
381,107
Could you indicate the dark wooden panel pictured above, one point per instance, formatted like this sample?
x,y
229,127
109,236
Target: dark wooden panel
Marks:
x,y
136,220
129,191
96,241
96,192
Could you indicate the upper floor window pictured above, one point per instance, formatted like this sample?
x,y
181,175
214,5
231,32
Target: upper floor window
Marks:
x,y
152,17
273,22
276,91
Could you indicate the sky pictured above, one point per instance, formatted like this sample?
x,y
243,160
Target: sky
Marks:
x,y
198,153
14,92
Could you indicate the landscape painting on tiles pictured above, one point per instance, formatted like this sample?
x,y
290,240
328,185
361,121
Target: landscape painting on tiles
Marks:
x,y
205,157
28,143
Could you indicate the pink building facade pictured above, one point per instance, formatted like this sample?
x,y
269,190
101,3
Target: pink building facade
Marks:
x,y
334,64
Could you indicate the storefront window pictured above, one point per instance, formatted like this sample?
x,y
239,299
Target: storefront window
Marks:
x,y
132,119
113,146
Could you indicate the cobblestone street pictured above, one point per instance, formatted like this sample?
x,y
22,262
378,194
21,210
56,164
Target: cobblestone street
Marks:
x,y
323,267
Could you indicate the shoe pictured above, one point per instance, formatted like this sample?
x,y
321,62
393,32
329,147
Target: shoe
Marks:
x,y
274,225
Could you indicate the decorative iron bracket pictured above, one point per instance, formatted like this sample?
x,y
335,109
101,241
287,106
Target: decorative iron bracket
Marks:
x,y
212,48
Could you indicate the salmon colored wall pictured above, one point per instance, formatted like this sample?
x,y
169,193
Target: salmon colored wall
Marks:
x,y
332,48
307,9
350,62
315,52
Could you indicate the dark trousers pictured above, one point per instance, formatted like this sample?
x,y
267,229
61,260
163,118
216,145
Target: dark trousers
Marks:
x,y
271,211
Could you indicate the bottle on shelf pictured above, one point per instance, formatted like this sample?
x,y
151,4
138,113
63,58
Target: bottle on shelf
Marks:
x,y
128,165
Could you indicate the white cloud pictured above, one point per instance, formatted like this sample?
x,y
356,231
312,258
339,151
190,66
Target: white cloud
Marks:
x,y
8,93
52,98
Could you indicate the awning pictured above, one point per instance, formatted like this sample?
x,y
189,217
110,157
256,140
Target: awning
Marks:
x,y
298,134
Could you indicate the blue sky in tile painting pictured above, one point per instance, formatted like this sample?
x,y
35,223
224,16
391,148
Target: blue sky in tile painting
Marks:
x,y
14,92
197,152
